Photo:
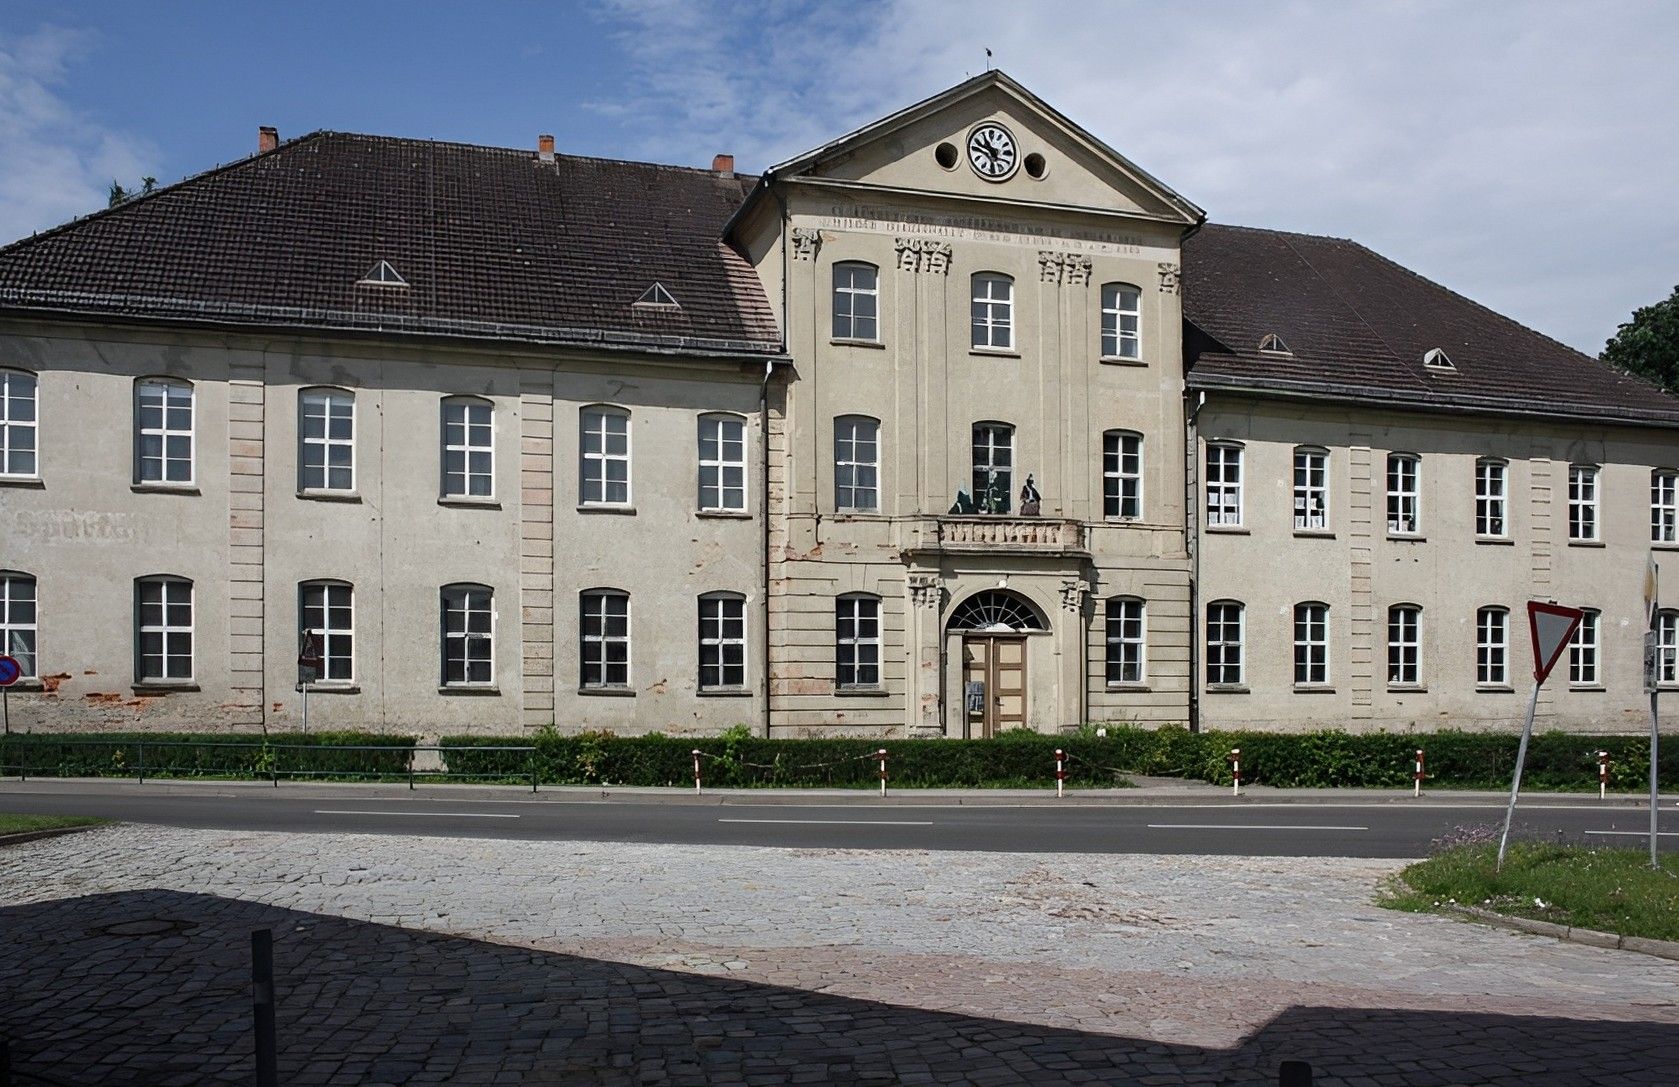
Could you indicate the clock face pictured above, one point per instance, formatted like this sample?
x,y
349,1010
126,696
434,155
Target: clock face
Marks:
x,y
992,152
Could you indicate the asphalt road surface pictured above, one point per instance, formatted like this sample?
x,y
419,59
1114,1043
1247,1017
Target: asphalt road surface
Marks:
x,y
1395,828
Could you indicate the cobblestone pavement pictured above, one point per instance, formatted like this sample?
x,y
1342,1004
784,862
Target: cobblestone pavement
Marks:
x,y
124,960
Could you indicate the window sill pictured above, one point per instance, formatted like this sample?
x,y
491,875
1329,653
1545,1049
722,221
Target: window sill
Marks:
x,y
164,687
1227,688
1663,546
859,515
1504,541
861,692
724,515
1131,688
1117,360
847,341
607,692
1494,688
1314,534
1586,543
328,496
1229,530
1588,688
995,352
469,689
1408,537
1122,520
596,507
1313,688
725,692
35,482
164,488
1407,688
463,501
329,688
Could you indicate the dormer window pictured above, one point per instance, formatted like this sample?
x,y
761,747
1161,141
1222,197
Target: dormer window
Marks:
x,y
1272,344
1436,359
656,295
383,275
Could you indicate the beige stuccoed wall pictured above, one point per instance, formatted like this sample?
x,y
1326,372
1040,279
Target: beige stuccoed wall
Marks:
x,y
1359,571
248,538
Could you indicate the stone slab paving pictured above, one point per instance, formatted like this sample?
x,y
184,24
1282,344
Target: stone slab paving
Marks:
x,y
410,960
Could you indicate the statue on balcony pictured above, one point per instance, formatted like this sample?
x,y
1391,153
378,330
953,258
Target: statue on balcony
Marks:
x,y
963,506
1030,500
996,498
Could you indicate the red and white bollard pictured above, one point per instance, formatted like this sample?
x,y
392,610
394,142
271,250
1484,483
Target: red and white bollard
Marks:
x,y
696,771
1416,786
1603,775
1060,771
881,754
1235,771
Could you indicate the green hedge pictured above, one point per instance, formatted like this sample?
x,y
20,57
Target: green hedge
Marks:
x,y
189,754
1465,760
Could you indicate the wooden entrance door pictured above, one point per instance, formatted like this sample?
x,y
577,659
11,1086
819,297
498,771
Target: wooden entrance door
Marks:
x,y
998,664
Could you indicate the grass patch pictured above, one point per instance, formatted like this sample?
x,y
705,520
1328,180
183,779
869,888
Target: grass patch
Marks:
x,y
18,824
1610,890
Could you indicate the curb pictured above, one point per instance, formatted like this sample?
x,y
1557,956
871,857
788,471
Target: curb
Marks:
x,y
52,832
1665,949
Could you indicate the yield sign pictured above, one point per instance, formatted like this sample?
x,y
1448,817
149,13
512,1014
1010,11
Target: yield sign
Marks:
x,y
1551,627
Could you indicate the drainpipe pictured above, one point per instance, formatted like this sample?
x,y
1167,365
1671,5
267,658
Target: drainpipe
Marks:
x,y
764,516
1192,536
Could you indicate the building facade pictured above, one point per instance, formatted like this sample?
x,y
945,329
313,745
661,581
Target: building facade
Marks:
x,y
960,423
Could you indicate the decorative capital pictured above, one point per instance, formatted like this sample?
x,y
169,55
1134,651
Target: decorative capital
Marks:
x,y
1076,267
923,255
1049,266
1073,592
1168,277
924,590
805,243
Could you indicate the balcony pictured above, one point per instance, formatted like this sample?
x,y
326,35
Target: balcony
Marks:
x,y
1015,535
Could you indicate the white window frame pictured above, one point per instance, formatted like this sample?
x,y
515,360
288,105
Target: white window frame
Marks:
x,y
170,632
469,656
467,433
1122,324
1667,647
992,312
1664,506
154,470
720,495
20,437
1405,646
856,287
1225,653
856,457
851,638
1122,475
1492,646
595,457
596,642
1404,494
1311,489
1224,485
316,453
1127,641
1492,499
335,602
20,632
1311,644
1585,517
1585,663
983,469
722,629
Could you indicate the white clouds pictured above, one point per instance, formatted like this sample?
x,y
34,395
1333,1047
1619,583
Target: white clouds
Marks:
x,y
54,163
1523,153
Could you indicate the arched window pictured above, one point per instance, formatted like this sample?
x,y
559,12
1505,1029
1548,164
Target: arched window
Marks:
x,y
1492,646
163,432
722,644
18,621
163,629
468,447
1405,645
1126,640
604,635
468,642
1121,321
856,463
993,311
326,440
722,463
604,456
996,610
857,641
326,622
19,422
1492,489
1225,623
993,478
1122,475
856,301
1311,644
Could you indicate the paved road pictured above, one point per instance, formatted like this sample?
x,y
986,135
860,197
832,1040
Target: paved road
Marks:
x,y
1387,828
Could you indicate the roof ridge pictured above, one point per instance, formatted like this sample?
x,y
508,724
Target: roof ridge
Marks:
x,y
469,145
1278,233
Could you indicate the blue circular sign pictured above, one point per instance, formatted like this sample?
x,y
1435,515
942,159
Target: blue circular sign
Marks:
x,y
10,671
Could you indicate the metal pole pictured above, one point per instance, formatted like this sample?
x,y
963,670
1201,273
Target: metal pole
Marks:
x,y
142,748
1516,781
262,1006
6,708
305,707
1654,796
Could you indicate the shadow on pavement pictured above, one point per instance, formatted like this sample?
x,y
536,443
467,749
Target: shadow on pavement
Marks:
x,y
153,988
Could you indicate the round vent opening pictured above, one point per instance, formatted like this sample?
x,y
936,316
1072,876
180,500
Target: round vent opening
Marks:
x,y
945,155
1035,165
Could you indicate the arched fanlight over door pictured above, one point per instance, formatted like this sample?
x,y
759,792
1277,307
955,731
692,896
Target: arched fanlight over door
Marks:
x,y
996,610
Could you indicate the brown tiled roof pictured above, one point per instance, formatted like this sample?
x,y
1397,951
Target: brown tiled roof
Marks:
x,y
1358,325
490,241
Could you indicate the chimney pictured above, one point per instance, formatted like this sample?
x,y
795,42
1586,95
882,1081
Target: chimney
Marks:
x,y
723,164
268,138
545,147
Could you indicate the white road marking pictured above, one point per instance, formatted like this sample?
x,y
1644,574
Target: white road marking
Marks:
x,y
1637,833
1240,826
422,814
836,822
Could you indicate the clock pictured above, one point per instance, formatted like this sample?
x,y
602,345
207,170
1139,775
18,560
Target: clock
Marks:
x,y
992,151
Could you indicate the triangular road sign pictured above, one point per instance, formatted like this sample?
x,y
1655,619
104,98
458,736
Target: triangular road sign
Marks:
x,y
1551,626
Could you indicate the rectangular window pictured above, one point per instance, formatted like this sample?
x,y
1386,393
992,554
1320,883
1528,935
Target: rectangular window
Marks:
x,y
722,463
993,311
605,460
1122,475
1121,321
163,621
326,428
722,642
856,302
326,613
1403,496
993,467
1311,490
1224,643
468,448
1492,647
1664,507
606,640
1667,647
17,425
17,621
1125,640
1311,645
468,635
1582,502
1404,646
163,432
1491,485
857,641
856,463
1224,485
1582,653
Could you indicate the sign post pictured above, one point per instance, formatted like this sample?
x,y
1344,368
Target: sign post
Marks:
x,y
1652,683
10,672
1550,627
308,670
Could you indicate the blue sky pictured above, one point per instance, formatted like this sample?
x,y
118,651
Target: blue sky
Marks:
x,y
1522,153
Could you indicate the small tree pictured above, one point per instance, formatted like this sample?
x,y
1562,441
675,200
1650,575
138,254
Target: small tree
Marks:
x,y
118,194
1648,345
